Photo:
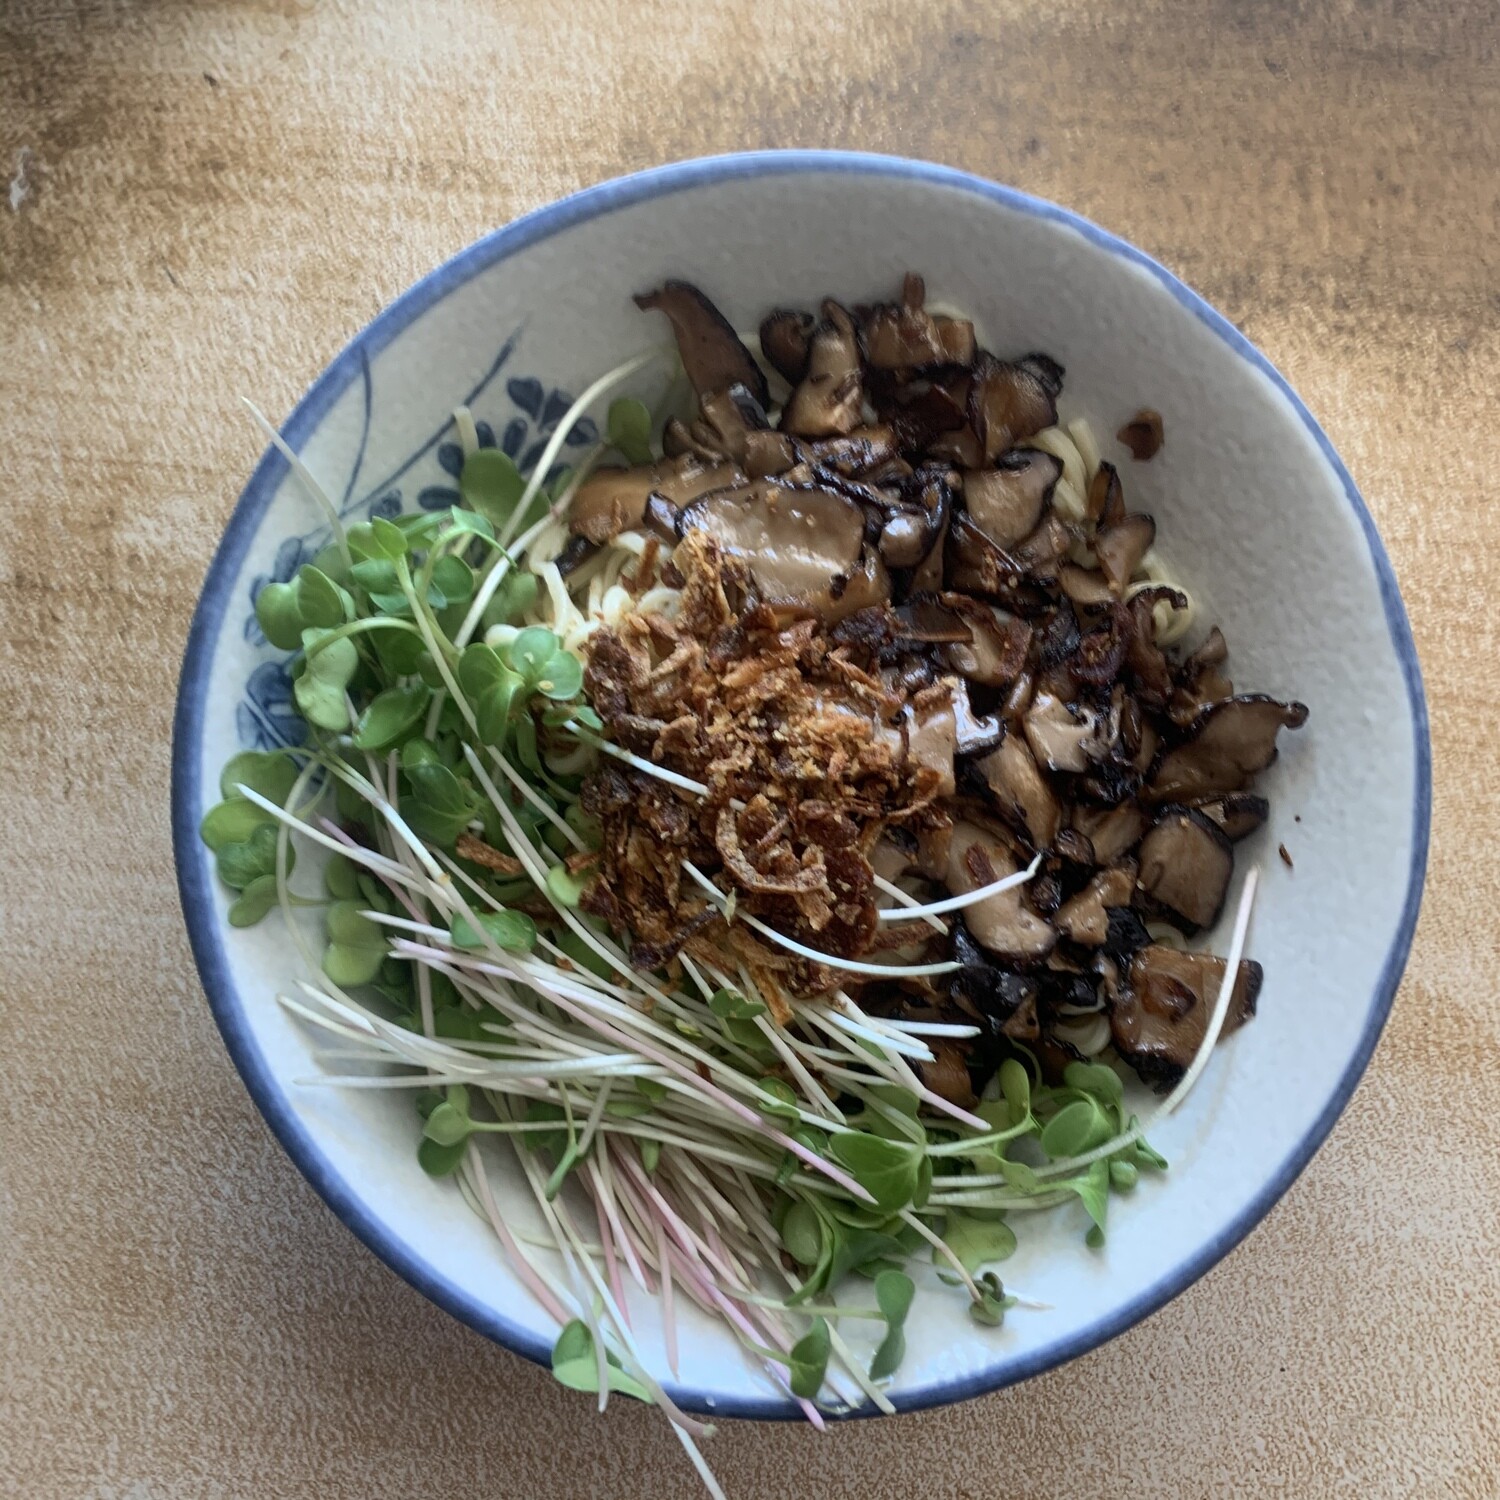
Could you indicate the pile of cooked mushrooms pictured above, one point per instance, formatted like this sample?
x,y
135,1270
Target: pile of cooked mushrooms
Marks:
x,y
884,521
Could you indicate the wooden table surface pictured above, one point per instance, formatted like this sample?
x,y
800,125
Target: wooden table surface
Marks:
x,y
208,199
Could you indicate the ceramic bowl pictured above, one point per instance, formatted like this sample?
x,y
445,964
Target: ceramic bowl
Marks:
x,y
1255,512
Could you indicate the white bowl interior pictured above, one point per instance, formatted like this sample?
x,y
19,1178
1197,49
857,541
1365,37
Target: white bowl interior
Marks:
x,y
1251,513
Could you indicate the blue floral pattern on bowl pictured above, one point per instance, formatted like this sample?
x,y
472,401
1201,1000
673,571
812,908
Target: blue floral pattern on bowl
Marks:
x,y
526,415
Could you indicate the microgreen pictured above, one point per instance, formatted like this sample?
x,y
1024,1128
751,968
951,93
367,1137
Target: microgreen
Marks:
x,y
576,1365
629,429
320,690
356,945
975,1241
512,930
491,484
390,716
272,773
894,1291
809,1360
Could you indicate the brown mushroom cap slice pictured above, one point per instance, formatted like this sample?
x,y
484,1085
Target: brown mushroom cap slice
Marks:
x,y
907,337
1160,1017
1186,861
829,400
975,735
610,501
712,353
932,741
1066,736
1121,547
1111,831
1044,550
1010,403
1084,586
1020,791
994,652
785,335
1085,919
1239,814
1006,502
1002,923
1230,742
804,547
1143,434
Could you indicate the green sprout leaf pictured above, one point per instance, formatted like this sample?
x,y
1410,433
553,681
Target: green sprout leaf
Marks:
x,y
731,1005
574,1361
320,689
257,898
277,615
888,1170
272,773
532,651
516,594
975,1241
231,821
809,1360
320,601
562,677
513,931
356,945
491,484
452,582
894,1291
990,1309
566,889
440,1161
1076,1128
241,864
390,716
341,878
629,429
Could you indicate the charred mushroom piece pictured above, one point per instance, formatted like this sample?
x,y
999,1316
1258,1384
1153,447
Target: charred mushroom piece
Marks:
x,y
1010,403
973,564
1229,743
1002,923
1006,503
931,735
1111,832
1143,434
1085,919
614,500
1239,814
1121,547
1105,502
925,620
1084,586
908,535
1186,862
1200,682
981,985
829,399
994,651
784,340
1066,736
948,1074
803,547
1020,791
1161,1015
1044,550
907,337
973,735
712,353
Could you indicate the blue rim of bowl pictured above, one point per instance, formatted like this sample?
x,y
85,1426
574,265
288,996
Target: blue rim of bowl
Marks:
x,y
205,927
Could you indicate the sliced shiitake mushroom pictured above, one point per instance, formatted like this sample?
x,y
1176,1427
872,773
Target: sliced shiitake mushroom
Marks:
x,y
804,547
1002,923
1111,831
1085,919
973,564
996,646
974,734
905,336
908,535
1160,1017
1084,586
1010,403
711,351
1041,554
784,339
829,399
1066,736
1186,861
932,741
1239,814
925,620
1020,792
1229,742
981,986
1006,503
1121,547
1105,502
1143,434
610,501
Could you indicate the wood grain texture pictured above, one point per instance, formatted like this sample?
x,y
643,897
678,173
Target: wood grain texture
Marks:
x,y
214,197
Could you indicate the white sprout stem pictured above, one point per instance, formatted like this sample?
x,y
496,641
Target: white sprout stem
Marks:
x,y
468,435
565,426
1201,1057
957,903
909,901
829,960
672,778
304,475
